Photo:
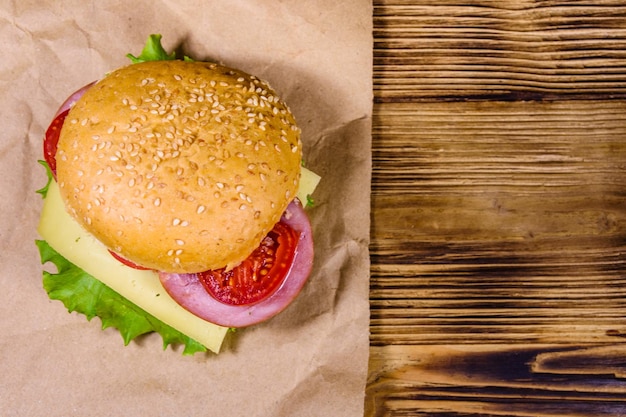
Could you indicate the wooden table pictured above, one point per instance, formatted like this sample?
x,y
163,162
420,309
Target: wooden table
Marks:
x,y
498,246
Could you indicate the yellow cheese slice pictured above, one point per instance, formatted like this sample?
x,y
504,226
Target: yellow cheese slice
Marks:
x,y
308,183
142,288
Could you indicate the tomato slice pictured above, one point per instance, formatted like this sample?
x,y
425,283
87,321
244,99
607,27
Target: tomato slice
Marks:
x,y
259,275
188,290
51,138
51,141
126,262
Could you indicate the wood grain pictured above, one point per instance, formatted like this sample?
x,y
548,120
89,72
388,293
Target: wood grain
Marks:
x,y
498,209
498,49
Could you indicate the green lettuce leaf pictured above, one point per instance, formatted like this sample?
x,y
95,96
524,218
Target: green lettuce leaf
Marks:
x,y
153,51
82,293
44,190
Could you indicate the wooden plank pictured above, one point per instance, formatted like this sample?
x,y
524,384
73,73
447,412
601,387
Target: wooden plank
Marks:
x,y
505,50
497,380
498,208
499,222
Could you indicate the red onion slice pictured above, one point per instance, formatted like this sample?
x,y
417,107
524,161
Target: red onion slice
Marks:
x,y
73,98
187,290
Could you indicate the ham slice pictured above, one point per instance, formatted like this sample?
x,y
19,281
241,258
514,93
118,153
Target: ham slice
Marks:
x,y
188,291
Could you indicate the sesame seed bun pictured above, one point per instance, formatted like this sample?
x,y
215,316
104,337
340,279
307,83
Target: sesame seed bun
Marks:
x,y
179,166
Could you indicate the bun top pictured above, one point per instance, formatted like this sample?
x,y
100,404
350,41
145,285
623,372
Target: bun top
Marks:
x,y
179,166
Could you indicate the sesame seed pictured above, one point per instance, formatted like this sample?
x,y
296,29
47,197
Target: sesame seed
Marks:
x,y
176,221
178,251
242,207
170,252
200,209
180,242
157,202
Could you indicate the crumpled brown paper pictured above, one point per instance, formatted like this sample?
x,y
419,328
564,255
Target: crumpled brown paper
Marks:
x,y
311,360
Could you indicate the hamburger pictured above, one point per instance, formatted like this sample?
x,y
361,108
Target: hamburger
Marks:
x,y
175,201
